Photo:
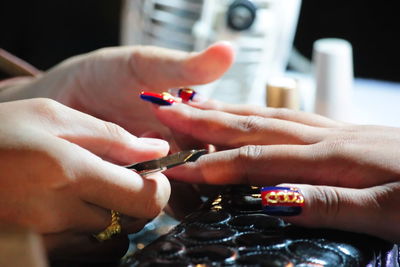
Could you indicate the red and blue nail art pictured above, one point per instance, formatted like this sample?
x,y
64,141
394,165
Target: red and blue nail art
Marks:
x,y
185,93
163,99
282,201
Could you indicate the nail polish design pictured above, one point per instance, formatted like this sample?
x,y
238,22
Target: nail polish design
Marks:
x,y
187,94
282,201
163,99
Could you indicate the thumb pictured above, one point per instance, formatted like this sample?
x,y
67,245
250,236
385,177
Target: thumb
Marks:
x,y
356,210
171,68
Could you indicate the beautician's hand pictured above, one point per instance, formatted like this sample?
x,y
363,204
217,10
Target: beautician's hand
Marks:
x,y
60,174
106,83
356,169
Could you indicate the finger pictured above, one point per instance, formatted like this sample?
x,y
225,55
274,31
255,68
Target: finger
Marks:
x,y
186,142
267,112
171,68
356,210
152,134
105,139
96,219
269,165
154,68
108,185
225,129
116,188
177,141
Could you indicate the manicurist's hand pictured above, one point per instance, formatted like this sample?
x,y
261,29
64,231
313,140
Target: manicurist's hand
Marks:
x,y
61,174
349,174
106,83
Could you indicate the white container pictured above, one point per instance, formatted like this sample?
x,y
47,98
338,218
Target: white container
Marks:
x,y
333,70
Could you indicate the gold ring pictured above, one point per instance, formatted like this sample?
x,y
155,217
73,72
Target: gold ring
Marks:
x,y
113,229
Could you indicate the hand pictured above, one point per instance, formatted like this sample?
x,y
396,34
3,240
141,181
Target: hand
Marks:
x,y
106,83
60,174
354,170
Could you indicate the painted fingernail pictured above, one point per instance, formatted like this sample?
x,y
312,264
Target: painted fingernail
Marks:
x,y
163,99
282,201
186,94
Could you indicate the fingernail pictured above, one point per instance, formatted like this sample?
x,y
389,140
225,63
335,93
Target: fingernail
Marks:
x,y
186,94
151,134
282,201
153,141
163,99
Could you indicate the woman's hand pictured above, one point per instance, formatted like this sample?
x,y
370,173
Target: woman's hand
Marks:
x,y
354,170
61,174
106,83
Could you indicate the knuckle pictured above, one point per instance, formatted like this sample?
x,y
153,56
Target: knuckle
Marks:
x,y
338,144
250,123
45,106
328,202
249,152
114,130
48,110
246,155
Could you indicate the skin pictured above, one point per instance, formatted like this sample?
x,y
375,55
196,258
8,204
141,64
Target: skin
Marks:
x,y
106,83
349,174
56,166
62,166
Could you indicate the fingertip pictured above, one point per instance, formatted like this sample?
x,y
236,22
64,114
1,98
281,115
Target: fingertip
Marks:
x,y
222,49
139,149
162,192
151,147
336,207
154,142
124,190
209,64
309,215
152,134
188,173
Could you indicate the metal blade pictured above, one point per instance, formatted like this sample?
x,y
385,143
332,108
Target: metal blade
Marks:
x,y
167,162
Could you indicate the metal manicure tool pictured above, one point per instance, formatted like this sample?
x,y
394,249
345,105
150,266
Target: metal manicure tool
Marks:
x,y
161,164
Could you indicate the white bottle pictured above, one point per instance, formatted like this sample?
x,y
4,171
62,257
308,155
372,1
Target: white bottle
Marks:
x,y
333,70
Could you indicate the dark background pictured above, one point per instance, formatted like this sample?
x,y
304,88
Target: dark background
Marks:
x,y
46,32
371,26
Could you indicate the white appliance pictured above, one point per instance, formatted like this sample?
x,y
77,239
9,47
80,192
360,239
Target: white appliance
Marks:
x,y
261,31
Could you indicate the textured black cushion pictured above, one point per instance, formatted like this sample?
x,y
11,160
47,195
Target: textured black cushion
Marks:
x,y
231,230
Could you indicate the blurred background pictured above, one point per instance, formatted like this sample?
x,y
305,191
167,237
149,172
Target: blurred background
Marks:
x,y
44,32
